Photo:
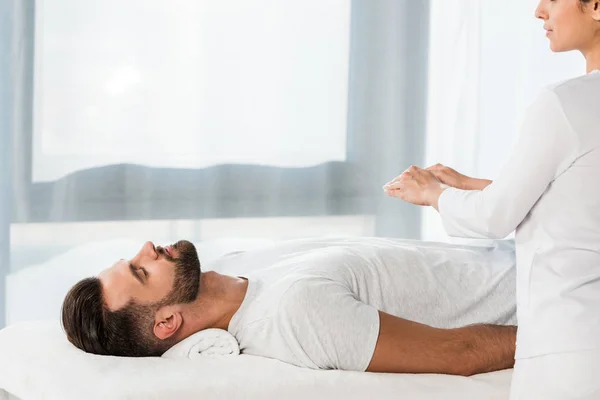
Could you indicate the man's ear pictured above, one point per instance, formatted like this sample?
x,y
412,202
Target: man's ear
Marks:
x,y
167,322
595,6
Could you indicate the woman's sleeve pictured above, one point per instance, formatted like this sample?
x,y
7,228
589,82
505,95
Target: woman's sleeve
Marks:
x,y
546,148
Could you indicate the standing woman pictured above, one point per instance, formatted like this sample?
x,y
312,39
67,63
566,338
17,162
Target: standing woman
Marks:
x,y
549,191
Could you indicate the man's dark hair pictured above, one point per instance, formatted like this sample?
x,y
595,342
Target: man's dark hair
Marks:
x,y
92,327
582,3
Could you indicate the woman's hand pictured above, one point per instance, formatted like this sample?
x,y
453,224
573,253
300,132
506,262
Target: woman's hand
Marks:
x,y
417,186
451,177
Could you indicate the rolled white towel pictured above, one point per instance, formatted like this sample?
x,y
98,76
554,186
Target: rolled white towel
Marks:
x,y
208,342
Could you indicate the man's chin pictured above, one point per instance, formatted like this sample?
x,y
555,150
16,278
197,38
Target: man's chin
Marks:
x,y
184,249
187,273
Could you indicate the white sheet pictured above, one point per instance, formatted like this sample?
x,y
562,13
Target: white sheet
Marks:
x,y
4,395
37,362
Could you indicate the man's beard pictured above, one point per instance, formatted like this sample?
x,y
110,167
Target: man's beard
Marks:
x,y
185,289
186,283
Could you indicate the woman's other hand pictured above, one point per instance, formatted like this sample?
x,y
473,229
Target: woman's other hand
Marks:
x,y
451,177
417,186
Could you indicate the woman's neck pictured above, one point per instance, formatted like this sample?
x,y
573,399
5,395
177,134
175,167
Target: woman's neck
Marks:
x,y
592,58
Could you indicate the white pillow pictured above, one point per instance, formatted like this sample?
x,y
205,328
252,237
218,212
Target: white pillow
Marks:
x,y
210,342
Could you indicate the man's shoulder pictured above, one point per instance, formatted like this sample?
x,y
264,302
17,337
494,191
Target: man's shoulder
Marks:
x,y
309,293
301,289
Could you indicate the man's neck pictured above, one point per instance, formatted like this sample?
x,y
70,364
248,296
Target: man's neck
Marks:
x,y
219,298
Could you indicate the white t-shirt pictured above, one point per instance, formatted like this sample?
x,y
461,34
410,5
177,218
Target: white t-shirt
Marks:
x,y
313,303
549,191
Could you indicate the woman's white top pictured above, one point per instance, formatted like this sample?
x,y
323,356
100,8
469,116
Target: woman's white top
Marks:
x,y
549,191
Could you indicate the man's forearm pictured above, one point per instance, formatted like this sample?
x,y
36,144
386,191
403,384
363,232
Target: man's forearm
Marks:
x,y
485,348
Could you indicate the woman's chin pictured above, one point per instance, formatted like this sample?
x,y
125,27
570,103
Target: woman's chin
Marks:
x,y
556,48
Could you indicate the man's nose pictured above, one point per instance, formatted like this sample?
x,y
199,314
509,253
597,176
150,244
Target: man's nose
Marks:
x,y
147,250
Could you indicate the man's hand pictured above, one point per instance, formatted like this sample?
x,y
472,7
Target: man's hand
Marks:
x,y
405,346
451,177
416,186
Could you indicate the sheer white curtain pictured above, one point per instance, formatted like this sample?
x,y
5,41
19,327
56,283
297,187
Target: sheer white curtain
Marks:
x,y
189,84
6,126
156,119
488,60
186,88
206,120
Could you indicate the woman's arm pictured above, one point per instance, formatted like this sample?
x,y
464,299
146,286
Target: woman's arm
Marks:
x,y
451,177
478,184
547,146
